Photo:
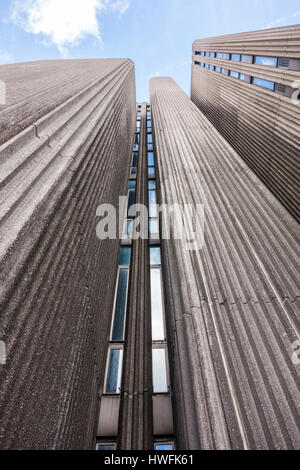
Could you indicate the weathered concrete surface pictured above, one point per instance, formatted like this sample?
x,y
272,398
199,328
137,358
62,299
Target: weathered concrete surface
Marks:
x,y
233,306
66,136
262,126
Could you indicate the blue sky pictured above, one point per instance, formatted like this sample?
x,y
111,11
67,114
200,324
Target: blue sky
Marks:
x,y
156,34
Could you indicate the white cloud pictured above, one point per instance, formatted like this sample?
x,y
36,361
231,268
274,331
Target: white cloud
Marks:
x,y
279,21
6,58
64,22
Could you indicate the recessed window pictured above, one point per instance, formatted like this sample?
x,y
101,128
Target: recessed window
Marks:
x,y
152,203
125,256
234,74
120,306
150,159
155,256
213,55
151,172
163,446
153,226
131,202
196,62
226,56
151,185
133,171
207,54
263,83
207,66
225,71
202,53
159,369
132,185
218,69
106,446
219,55
128,227
248,59
114,371
245,78
267,61
212,67
236,57
134,158
197,53
157,319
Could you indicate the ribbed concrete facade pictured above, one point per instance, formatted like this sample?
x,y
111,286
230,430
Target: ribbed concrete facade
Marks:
x,y
261,125
233,306
66,138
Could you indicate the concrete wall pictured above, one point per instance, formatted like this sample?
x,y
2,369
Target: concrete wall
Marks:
x,y
232,306
66,134
261,125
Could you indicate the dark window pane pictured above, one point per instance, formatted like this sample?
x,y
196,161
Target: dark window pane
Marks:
x,y
267,61
131,202
155,256
125,255
113,380
106,447
134,158
120,306
150,159
133,172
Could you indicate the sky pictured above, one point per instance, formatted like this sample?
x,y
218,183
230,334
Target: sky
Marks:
x,y
156,34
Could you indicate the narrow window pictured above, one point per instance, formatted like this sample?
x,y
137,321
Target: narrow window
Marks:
x,y
106,447
207,54
131,185
225,71
151,172
234,74
263,83
153,226
248,59
213,55
151,185
134,158
155,256
152,204
267,61
163,446
218,69
212,67
150,159
120,306
157,320
125,256
207,66
159,364
114,371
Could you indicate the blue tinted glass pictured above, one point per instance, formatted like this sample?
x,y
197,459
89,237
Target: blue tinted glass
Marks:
x,y
212,67
219,55
128,227
150,159
268,61
207,66
133,171
112,385
132,185
120,306
207,54
226,56
236,57
212,54
125,255
152,204
218,69
151,172
263,83
155,256
163,447
106,447
137,139
149,138
224,71
151,185
242,76
153,226
234,74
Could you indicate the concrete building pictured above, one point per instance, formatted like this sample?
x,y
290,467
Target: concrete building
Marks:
x,y
147,342
244,83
